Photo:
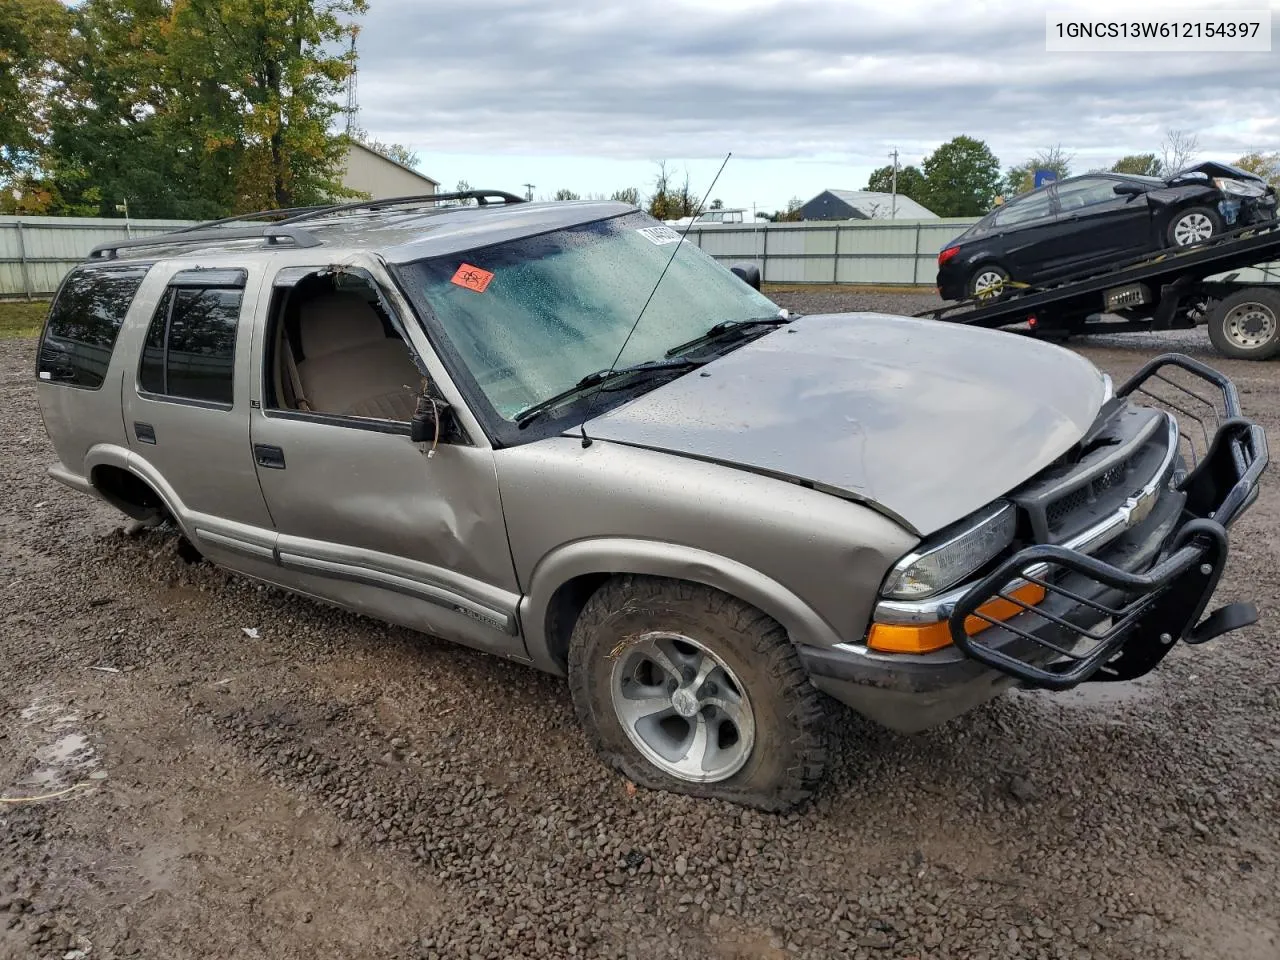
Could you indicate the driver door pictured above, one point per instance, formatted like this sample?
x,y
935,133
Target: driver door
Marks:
x,y
365,518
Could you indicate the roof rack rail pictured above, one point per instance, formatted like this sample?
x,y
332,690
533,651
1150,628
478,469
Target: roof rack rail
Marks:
x,y
271,233
280,214
481,197
287,228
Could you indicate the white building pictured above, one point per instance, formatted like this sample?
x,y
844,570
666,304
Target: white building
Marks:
x,y
381,177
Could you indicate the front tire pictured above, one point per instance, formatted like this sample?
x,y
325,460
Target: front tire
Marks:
x,y
686,689
1193,225
1246,324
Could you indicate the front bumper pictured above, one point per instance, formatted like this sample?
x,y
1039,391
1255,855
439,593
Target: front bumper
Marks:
x,y
1106,617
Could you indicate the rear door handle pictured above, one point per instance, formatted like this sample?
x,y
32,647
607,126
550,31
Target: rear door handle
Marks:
x,y
268,456
145,432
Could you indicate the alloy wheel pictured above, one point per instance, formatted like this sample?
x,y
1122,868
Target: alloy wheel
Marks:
x,y
682,707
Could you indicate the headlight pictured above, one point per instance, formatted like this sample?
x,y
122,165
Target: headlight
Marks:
x,y
1239,188
953,555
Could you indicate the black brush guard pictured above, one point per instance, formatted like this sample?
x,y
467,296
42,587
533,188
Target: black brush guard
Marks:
x,y
1098,622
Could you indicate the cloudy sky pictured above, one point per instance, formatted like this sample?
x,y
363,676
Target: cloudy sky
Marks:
x,y
807,94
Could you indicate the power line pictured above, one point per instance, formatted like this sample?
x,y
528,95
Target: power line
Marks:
x,y
528,190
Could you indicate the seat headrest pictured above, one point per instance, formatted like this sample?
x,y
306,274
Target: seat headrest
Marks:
x,y
335,322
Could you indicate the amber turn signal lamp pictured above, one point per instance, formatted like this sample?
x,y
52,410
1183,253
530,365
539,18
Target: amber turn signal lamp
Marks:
x,y
924,638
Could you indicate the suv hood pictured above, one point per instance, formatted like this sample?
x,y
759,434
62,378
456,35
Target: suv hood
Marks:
x,y
924,420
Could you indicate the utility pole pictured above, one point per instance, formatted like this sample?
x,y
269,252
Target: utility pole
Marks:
x,y
528,190
893,213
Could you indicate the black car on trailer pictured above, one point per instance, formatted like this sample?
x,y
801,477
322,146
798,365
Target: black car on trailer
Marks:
x,y
1171,290
1084,222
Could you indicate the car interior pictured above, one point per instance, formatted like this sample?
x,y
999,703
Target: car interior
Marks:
x,y
335,351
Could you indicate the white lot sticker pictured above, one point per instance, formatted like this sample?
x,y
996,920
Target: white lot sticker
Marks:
x,y
659,235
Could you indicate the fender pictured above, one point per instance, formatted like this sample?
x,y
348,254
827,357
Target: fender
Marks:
x,y
113,455
654,558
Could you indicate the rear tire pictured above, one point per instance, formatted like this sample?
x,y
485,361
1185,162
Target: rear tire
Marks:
x,y
741,724
987,282
1193,225
1246,324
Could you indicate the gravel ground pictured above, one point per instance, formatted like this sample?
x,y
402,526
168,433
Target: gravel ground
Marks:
x,y
332,787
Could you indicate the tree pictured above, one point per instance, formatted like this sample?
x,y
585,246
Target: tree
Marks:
x,y
1021,178
790,215
32,34
1138,164
1265,165
627,195
273,72
910,182
396,151
563,194
1177,151
716,205
671,201
963,177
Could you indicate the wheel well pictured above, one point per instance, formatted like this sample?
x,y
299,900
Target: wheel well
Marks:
x,y
565,608
127,492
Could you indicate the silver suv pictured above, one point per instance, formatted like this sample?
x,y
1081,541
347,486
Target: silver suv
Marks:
x,y
559,434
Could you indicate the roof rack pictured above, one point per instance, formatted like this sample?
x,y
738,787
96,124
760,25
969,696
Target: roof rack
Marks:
x,y
285,230
281,214
271,233
481,197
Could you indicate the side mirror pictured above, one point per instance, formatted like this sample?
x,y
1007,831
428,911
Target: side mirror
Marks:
x,y
1128,189
429,420
748,273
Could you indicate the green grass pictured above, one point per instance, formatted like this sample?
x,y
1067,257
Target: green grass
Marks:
x,y
21,319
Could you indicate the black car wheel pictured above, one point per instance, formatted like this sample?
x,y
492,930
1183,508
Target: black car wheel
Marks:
x,y
987,282
1246,325
1194,225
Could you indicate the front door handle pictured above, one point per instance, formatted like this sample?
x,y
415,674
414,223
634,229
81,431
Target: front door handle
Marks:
x,y
268,456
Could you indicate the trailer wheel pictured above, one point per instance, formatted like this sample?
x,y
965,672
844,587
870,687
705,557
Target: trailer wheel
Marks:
x,y
1246,324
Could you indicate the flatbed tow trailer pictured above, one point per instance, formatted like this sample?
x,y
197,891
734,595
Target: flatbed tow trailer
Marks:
x,y
1171,290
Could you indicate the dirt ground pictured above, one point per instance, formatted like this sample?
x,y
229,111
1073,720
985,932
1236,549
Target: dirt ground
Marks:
x,y
261,776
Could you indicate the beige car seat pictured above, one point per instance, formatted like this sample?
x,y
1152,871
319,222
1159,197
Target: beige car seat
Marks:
x,y
350,367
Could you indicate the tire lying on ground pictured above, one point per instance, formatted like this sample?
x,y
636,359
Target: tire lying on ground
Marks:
x,y
1193,225
1246,324
686,689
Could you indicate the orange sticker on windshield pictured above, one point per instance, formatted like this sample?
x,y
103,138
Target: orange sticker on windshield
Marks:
x,y
473,278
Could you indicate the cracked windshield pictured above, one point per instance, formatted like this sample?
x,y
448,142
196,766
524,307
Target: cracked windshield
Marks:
x,y
559,306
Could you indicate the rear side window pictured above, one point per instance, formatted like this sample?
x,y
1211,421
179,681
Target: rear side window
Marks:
x,y
83,324
1026,209
190,350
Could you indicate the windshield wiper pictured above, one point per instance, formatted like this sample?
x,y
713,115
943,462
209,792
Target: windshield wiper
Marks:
x,y
730,326
529,414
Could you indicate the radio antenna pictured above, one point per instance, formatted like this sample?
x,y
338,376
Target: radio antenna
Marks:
x,y
586,441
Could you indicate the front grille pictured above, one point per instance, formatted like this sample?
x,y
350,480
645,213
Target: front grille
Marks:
x,y
1060,511
1091,484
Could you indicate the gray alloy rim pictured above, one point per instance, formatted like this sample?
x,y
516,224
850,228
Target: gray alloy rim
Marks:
x,y
1193,228
988,283
1250,325
682,707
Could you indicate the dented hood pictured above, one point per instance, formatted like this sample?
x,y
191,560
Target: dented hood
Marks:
x,y
927,421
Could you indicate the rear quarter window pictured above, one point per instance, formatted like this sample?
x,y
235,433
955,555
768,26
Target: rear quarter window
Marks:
x,y
84,321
